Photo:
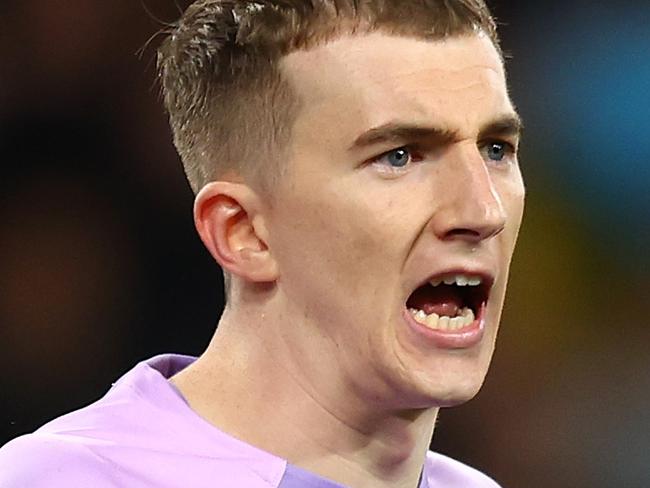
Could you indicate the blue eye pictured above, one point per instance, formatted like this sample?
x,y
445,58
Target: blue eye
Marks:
x,y
397,162
497,151
397,158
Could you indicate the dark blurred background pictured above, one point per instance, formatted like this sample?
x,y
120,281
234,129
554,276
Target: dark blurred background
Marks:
x,y
100,266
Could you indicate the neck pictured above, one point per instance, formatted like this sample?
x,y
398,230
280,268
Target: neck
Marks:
x,y
245,375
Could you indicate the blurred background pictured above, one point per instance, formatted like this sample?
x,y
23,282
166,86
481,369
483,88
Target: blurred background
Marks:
x,y
100,266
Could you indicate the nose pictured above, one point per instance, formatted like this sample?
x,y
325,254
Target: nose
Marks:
x,y
470,207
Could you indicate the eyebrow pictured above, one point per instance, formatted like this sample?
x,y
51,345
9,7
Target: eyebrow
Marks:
x,y
506,125
395,131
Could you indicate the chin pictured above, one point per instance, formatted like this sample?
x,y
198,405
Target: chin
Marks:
x,y
456,397
430,392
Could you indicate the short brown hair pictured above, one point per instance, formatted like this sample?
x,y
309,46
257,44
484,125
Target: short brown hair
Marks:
x,y
229,107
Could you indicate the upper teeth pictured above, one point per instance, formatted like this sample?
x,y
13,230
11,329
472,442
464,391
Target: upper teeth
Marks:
x,y
459,280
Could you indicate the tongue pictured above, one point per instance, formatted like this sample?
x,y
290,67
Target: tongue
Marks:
x,y
441,299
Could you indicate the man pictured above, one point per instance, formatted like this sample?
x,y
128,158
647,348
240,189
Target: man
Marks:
x,y
357,180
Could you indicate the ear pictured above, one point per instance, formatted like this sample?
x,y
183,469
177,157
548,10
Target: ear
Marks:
x,y
228,219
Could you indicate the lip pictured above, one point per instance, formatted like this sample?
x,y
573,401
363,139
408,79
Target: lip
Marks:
x,y
464,338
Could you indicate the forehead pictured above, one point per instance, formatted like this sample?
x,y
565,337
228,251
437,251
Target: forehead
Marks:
x,y
357,82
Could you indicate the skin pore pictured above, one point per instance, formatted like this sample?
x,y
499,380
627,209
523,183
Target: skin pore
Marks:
x,y
402,165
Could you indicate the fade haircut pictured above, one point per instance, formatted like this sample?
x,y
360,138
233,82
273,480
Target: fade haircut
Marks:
x,y
229,107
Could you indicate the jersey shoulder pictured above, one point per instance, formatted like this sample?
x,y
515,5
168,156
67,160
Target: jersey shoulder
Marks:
x,y
42,460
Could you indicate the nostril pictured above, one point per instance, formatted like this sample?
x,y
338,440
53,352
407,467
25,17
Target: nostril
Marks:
x,y
463,232
474,234
469,235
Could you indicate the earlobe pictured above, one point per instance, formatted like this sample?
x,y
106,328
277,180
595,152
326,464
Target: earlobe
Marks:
x,y
228,219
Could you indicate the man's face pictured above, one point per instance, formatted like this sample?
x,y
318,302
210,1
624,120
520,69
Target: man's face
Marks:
x,y
402,170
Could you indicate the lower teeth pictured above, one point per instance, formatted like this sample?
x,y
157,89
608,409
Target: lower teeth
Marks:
x,y
434,321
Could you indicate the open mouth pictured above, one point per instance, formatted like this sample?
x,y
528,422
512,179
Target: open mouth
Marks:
x,y
450,302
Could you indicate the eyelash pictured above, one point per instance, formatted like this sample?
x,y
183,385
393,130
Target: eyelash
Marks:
x,y
413,158
510,150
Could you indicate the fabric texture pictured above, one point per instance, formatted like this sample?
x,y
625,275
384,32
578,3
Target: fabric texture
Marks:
x,y
142,433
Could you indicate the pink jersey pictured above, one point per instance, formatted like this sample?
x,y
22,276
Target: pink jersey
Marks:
x,y
142,433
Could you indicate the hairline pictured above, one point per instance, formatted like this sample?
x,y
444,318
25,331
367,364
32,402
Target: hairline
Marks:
x,y
290,82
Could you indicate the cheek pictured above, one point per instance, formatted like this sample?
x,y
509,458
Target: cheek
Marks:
x,y
338,248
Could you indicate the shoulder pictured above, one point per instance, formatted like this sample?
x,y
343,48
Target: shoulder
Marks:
x,y
40,461
142,433
46,460
75,449
443,471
